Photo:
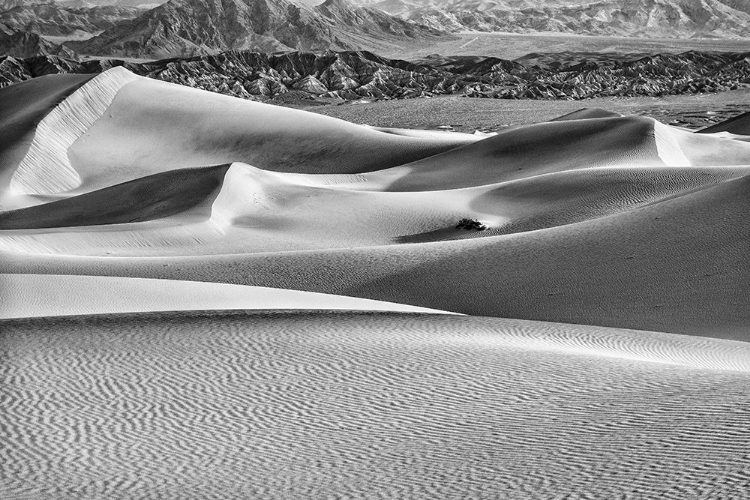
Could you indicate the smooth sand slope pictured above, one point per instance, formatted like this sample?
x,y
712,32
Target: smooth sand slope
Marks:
x,y
322,405
120,194
39,295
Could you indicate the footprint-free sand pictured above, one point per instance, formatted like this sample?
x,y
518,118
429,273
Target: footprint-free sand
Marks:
x,y
205,297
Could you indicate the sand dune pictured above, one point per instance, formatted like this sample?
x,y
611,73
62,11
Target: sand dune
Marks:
x,y
241,209
562,146
46,168
318,405
121,194
39,295
739,125
586,114
22,107
152,197
123,126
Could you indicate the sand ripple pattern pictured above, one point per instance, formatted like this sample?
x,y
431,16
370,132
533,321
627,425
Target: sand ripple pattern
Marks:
x,y
295,405
46,168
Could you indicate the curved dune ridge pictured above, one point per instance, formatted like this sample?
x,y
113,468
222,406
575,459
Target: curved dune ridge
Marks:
x,y
586,114
172,126
367,405
46,168
22,108
243,209
38,295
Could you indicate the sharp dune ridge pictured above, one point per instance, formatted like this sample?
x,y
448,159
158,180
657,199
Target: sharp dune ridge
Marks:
x,y
22,107
46,168
148,229
37,295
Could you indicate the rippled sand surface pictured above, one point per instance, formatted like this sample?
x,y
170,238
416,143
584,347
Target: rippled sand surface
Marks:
x,y
367,405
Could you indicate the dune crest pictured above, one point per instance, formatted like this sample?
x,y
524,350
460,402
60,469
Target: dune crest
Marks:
x,y
46,168
667,146
116,295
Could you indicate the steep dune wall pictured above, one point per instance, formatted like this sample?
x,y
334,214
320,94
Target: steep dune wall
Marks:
x,y
46,168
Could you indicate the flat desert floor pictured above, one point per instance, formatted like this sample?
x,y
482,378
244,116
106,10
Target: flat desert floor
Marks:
x,y
465,114
204,297
515,45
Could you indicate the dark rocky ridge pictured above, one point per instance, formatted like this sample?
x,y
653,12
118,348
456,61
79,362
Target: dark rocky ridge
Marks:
x,y
355,75
54,19
29,44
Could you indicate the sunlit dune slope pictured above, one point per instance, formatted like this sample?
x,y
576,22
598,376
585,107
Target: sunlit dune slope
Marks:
x,y
38,295
118,127
617,221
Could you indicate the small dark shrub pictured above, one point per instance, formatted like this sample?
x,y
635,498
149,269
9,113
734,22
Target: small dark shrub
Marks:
x,y
470,224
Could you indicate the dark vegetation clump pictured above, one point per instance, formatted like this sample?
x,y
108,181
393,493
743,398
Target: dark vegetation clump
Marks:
x,y
470,224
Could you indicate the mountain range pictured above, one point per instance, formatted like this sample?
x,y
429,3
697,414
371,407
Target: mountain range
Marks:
x,y
351,75
55,19
181,28
185,28
645,18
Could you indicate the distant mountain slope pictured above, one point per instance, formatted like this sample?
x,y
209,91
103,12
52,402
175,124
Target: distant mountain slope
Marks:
x,y
30,44
192,27
355,75
55,19
647,18
10,4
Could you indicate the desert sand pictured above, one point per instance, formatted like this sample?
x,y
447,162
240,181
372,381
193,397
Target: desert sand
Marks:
x,y
204,297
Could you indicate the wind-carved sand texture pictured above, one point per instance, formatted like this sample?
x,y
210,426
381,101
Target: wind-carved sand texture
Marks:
x,y
144,240
298,405
46,168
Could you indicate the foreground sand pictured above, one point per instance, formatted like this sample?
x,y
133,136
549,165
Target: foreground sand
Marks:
x,y
120,195
368,405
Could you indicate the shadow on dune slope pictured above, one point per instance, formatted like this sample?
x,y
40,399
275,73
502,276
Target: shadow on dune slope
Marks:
x,y
738,125
22,107
533,150
148,198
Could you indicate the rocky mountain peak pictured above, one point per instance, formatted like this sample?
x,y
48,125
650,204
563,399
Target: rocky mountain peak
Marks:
x,y
30,44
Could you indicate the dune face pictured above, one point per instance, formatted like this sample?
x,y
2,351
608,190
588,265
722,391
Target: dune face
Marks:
x,y
46,168
574,211
22,107
147,229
